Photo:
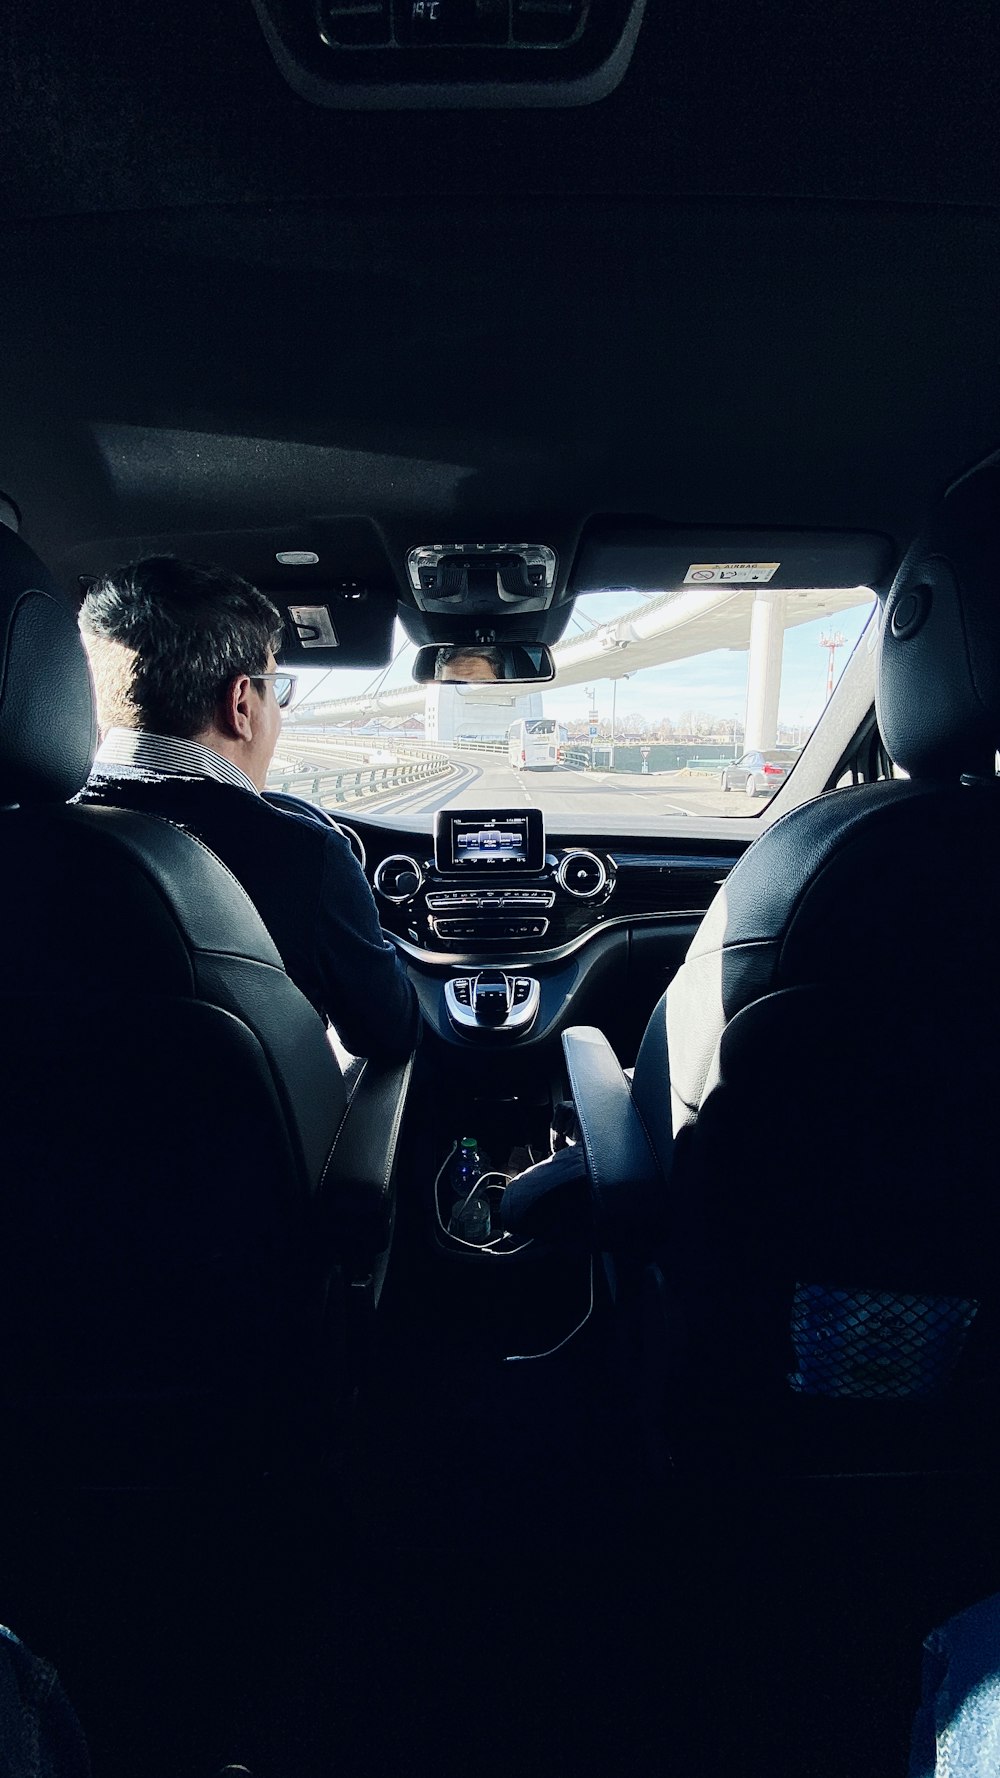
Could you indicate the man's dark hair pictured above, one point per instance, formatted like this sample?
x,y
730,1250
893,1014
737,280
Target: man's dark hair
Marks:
x,y
166,637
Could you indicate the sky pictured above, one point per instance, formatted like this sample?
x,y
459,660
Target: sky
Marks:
x,y
714,683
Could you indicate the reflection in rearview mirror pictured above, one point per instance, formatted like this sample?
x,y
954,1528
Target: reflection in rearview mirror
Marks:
x,y
516,663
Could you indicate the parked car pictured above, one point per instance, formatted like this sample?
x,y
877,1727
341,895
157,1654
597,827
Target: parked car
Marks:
x,y
759,774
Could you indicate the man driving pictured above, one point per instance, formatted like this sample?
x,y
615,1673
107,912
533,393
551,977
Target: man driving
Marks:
x,y
189,700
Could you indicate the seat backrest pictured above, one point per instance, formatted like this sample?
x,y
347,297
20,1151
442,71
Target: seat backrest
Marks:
x,y
833,1243
833,1257
169,1103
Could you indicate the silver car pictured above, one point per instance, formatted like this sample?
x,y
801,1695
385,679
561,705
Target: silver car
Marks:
x,y
759,774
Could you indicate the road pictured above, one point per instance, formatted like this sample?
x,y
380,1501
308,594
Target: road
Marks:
x,y
573,799
570,799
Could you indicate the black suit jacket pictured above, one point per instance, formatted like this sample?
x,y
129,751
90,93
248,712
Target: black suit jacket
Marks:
x,y
310,892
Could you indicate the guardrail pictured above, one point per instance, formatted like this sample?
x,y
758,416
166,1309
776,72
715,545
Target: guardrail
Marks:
x,y
476,747
389,741
328,785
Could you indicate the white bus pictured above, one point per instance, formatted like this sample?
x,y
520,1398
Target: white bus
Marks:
x,y
534,745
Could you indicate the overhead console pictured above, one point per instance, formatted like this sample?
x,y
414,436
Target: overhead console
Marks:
x,y
455,54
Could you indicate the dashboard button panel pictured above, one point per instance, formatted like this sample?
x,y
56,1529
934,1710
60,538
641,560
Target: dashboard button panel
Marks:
x,y
490,929
456,54
353,24
541,906
442,901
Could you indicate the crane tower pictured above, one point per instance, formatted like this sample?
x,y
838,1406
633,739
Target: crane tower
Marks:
x,y
831,642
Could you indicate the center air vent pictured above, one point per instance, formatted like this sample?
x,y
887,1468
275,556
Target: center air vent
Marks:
x,y
398,878
582,874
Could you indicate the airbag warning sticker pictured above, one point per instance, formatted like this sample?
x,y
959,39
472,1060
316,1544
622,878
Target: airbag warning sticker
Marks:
x,y
742,573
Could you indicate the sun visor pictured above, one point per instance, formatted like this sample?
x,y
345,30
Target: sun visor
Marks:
x,y
649,558
328,627
329,577
335,627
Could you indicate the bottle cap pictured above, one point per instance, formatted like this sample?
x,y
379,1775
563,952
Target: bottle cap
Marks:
x,y
469,1142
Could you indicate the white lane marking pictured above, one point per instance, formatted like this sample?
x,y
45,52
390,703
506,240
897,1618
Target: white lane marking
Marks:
x,y
518,778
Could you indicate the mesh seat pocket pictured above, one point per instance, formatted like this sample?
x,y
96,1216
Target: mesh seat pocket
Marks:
x,y
876,1345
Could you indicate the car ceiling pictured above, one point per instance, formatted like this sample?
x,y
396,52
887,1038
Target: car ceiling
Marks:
x,y
757,285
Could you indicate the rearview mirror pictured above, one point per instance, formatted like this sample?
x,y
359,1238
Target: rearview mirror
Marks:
x,y
464,663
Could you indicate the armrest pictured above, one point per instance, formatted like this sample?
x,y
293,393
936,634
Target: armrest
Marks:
x,y
357,1194
626,1180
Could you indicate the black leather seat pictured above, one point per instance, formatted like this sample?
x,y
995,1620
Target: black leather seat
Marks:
x,y
806,1223
194,1222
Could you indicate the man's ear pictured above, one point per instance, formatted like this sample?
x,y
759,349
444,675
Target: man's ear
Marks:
x,y
235,708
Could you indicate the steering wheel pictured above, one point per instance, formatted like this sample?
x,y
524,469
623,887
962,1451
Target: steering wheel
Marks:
x,y
297,805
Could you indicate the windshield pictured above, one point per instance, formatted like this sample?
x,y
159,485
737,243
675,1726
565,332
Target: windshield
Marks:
x,y
690,703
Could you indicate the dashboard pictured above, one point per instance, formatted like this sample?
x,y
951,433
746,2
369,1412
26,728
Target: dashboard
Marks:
x,y
575,892
510,934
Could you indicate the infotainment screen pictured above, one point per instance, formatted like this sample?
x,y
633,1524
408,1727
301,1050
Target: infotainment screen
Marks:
x,y
467,840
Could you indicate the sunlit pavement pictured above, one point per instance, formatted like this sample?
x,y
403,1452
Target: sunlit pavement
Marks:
x,y
586,799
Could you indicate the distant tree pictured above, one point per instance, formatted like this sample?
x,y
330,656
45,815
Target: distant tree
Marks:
x,y
634,723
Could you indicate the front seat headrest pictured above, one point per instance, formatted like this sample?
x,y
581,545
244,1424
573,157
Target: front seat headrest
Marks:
x,y
48,726
938,684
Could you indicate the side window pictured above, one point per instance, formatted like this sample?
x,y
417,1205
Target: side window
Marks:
x,y
867,761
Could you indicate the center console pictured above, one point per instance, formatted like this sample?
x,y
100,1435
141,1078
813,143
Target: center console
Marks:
x,y
490,899
491,882
483,852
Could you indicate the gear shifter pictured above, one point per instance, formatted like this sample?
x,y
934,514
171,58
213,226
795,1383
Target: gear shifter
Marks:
x,y
492,1001
491,997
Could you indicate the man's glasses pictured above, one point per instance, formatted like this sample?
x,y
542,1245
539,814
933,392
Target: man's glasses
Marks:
x,y
284,686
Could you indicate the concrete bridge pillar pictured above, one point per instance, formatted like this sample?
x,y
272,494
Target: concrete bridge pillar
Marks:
x,y
767,637
483,711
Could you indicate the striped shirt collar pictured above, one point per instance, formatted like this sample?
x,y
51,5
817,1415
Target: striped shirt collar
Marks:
x,y
141,750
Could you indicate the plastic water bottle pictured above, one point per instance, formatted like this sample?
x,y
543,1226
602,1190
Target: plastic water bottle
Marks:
x,y
470,1215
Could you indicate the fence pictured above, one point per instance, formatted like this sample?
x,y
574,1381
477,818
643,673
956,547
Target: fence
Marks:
x,y
681,756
